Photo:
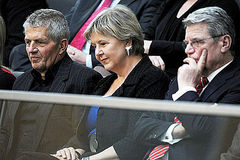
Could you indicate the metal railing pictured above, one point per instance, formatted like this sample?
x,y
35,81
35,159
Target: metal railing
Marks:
x,y
123,103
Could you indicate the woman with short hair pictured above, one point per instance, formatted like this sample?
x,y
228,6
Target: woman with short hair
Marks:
x,y
118,41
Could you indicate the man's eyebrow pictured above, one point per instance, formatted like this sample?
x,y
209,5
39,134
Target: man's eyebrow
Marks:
x,y
37,39
194,39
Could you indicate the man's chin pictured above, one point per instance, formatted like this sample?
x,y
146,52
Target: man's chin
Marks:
x,y
39,69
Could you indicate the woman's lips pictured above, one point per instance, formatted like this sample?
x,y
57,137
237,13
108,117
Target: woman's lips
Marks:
x,y
103,60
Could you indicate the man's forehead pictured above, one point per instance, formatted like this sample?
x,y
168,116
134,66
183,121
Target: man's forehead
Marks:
x,y
196,30
40,32
36,28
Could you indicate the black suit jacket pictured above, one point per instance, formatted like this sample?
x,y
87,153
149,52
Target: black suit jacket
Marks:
x,y
82,10
206,132
70,78
114,127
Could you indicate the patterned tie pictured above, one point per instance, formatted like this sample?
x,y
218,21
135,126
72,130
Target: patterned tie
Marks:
x,y
79,40
203,82
159,151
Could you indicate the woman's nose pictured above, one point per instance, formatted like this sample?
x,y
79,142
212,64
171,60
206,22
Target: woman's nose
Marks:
x,y
98,51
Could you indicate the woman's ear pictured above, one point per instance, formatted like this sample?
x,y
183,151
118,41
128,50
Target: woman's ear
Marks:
x,y
226,43
129,43
128,47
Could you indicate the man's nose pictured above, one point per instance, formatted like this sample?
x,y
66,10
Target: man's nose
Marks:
x,y
33,47
189,49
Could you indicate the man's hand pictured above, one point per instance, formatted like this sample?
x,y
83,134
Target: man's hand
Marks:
x,y
60,158
76,55
158,62
189,74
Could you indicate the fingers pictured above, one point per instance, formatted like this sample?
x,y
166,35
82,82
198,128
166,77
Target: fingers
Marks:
x,y
202,60
200,64
72,50
157,61
190,61
162,64
67,153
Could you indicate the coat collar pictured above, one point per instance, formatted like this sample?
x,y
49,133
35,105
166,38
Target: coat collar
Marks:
x,y
58,83
62,75
131,80
136,73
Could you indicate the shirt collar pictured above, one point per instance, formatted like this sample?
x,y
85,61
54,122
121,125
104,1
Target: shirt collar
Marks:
x,y
50,74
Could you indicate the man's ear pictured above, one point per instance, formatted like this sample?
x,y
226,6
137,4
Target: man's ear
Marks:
x,y
226,43
63,46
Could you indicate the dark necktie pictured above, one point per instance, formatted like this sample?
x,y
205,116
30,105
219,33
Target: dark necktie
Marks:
x,y
203,82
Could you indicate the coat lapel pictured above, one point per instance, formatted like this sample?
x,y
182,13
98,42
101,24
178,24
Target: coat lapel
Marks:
x,y
126,2
59,82
27,82
133,78
220,80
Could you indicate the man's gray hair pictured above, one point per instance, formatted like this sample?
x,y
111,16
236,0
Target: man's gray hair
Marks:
x,y
218,21
121,23
54,21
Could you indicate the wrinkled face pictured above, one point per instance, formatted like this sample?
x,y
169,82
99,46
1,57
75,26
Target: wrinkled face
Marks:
x,y
109,51
197,38
42,51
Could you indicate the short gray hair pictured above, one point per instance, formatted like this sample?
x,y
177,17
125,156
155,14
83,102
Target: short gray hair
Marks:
x,y
54,21
121,23
218,21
